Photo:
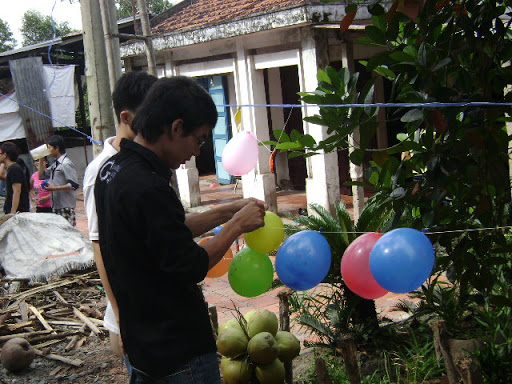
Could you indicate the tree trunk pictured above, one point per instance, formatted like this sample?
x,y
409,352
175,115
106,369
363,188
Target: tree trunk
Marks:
x,y
321,372
365,312
349,353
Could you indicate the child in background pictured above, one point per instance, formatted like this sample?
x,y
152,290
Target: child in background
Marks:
x,y
39,194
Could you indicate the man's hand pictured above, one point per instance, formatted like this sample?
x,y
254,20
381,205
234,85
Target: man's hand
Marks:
x,y
239,204
58,188
250,217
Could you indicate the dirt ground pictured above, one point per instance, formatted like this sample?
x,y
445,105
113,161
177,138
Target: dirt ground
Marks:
x,y
100,366
56,300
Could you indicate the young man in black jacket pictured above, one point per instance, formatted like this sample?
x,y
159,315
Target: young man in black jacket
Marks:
x,y
146,239
17,197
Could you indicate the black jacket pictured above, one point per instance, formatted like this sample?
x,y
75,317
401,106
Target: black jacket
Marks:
x,y
16,175
152,262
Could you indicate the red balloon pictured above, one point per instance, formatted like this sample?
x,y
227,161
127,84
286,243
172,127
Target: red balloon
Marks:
x,y
355,267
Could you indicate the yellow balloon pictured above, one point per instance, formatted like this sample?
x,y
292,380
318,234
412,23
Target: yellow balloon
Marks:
x,y
267,238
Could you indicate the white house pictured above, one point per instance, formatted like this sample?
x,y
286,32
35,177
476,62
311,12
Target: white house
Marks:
x,y
253,52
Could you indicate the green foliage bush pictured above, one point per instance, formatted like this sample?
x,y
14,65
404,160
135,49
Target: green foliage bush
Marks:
x,y
454,178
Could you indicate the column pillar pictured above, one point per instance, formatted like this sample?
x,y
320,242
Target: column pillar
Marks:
x,y
189,191
259,183
278,122
323,182
170,67
356,171
187,177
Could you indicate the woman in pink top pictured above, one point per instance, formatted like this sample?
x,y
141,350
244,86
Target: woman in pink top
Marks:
x,y
41,195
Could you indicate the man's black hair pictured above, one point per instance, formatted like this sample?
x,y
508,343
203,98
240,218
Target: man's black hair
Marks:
x,y
170,99
130,90
11,150
57,141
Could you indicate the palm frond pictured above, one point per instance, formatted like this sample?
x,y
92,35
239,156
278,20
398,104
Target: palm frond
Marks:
x,y
345,223
316,326
324,214
373,217
314,344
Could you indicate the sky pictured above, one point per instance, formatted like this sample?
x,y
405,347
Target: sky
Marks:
x,y
65,10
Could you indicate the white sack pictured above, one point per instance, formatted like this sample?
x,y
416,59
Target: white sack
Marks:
x,y
11,125
40,245
59,82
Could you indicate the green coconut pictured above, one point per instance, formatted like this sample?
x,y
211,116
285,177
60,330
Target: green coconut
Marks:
x,y
248,315
235,371
288,345
232,342
272,373
262,321
262,348
232,323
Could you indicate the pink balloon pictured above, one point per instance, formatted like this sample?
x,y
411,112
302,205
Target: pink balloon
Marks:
x,y
240,154
355,267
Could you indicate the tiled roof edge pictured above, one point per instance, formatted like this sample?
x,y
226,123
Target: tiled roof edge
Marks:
x,y
303,14
155,20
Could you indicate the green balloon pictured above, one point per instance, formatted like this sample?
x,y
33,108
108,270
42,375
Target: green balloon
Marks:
x,y
267,238
250,273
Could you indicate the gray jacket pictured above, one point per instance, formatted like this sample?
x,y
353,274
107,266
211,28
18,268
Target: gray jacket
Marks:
x,y
62,172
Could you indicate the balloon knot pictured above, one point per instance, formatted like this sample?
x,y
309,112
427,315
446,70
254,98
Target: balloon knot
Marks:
x,y
379,230
321,229
424,230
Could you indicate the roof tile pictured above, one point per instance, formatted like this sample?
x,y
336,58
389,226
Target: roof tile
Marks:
x,y
207,12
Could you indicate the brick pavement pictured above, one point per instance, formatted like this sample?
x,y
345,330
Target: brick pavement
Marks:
x,y
217,290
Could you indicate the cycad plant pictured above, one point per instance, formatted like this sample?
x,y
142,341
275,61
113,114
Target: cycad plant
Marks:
x,y
334,311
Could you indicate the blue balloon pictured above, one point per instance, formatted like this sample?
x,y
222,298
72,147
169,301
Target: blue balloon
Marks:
x,y
217,229
303,260
401,260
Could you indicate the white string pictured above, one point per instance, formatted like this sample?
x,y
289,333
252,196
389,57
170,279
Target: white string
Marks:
x,y
468,230
426,233
282,131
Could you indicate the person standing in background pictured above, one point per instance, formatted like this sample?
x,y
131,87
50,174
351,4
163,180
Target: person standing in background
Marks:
x,y
128,94
17,198
63,180
42,197
2,180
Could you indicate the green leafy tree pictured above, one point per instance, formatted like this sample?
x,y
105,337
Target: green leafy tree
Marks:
x,y
7,40
35,27
454,178
457,177
124,7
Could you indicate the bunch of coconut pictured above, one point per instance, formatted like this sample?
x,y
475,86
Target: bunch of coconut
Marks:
x,y
254,350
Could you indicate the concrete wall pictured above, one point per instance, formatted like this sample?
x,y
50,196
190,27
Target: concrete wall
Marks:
x,y
77,156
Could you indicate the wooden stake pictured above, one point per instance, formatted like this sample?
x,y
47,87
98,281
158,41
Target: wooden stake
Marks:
x,y
40,318
73,341
53,336
284,325
62,359
25,335
214,319
441,347
322,374
87,321
349,353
